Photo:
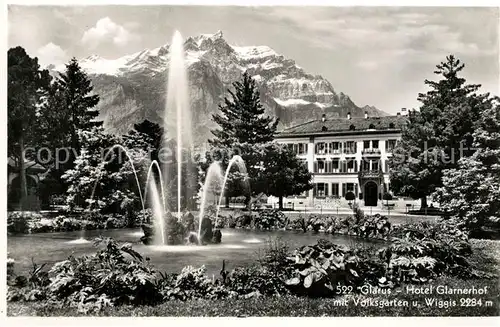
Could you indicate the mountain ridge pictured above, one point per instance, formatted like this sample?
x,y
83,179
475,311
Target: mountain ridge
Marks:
x,y
132,88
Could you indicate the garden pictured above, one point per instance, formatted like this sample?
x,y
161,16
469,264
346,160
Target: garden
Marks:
x,y
115,276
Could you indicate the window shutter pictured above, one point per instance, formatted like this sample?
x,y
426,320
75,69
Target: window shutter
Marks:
x,y
326,189
315,166
315,189
344,186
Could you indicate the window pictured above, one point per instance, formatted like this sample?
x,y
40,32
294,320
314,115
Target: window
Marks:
x,y
324,129
375,144
320,166
375,165
351,166
335,165
321,148
335,189
371,126
365,165
390,145
335,148
366,144
321,190
352,128
350,147
391,125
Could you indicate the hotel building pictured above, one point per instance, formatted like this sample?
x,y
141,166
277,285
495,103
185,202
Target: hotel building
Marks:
x,y
345,155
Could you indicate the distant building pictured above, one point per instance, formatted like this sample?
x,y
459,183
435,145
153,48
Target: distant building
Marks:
x,y
346,155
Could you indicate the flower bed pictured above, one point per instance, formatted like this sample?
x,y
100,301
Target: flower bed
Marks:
x,y
117,274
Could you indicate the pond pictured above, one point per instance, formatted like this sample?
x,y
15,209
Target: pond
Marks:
x,y
239,247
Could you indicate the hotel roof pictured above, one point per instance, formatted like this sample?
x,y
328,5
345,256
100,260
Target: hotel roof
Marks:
x,y
343,126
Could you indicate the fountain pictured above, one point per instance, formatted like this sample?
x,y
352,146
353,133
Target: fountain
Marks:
x,y
235,160
169,226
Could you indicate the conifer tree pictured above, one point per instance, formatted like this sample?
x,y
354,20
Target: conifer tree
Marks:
x,y
242,117
27,86
436,136
471,192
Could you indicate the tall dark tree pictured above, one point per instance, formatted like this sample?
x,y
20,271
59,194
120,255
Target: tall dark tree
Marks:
x,y
437,135
242,117
70,108
27,86
76,90
243,128
152,134
471,192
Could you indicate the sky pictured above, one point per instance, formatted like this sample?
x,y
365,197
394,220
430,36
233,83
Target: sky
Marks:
x,y
378,56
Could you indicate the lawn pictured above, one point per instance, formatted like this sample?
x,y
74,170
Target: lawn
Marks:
x,y
486,257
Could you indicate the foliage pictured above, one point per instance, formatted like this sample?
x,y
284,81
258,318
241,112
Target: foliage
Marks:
x,y
114,275
104,172
320,268
471,192
242,129
283,173
270,219
435,136
191,283
18,222
27,90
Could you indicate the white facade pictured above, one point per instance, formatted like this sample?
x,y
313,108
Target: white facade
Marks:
x,y
336,160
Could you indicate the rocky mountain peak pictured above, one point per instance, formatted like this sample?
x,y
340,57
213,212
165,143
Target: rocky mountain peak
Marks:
x,y
132,87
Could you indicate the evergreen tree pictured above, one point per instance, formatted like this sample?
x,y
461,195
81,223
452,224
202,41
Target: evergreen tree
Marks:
x,y
152,134
242,118
27,87
436,136
283,173
471,192
70,108
243,129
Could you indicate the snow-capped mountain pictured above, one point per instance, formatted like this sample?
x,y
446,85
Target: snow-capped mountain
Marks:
x,y
132,88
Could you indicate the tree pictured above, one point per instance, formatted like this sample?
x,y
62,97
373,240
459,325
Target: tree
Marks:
x,y
102,173
283,174
471,192
70,108
27,86
243,128
439,134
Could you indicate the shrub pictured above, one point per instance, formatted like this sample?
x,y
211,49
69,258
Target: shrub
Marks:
x,y
349,196
273,257
270,219
18,222
105,278
319,268
246,281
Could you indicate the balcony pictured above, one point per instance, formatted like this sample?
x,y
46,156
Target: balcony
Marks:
x,y
371,174
371,151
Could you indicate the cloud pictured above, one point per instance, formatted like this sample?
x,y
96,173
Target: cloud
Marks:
x,y
106,31
388,34
51,54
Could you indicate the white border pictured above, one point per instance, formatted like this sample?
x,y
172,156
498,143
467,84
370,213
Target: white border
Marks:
x,y
220,322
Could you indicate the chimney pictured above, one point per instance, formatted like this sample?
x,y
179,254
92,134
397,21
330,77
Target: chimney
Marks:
x,y
366,114
348,115
323,117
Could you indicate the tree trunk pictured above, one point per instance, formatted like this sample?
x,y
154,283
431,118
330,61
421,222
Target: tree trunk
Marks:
x,y
423,202
227,201
280,202
22,174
